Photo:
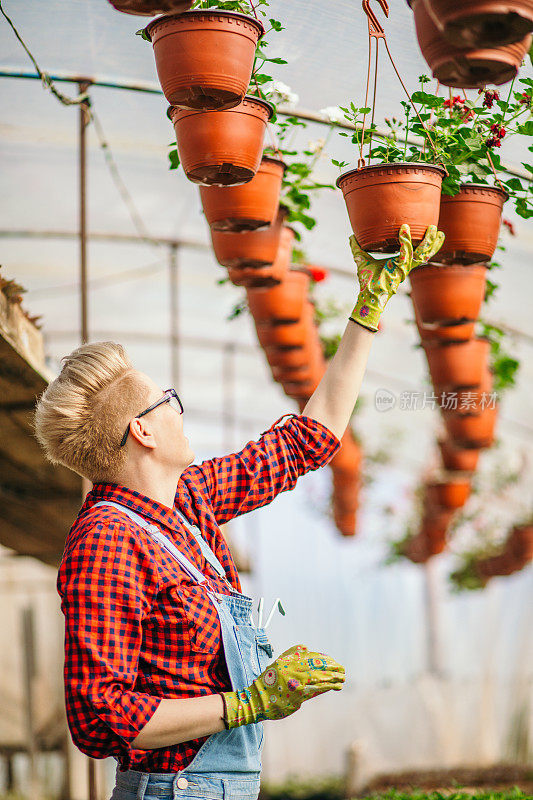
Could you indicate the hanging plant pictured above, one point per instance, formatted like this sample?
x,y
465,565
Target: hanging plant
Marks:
x,y
466,66
503,366
482,23
184,45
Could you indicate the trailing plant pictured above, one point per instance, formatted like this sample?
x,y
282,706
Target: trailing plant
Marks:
x,y
502,365
457,132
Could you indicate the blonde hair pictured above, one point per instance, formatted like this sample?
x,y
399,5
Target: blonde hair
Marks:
x,y
82,415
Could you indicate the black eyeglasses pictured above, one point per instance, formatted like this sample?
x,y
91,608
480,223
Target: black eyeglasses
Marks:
x,y
170,397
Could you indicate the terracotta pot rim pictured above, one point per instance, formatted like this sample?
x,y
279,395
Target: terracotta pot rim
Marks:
x,y
495,189
370,167
440,266
439,343
275,160
199,12
188,111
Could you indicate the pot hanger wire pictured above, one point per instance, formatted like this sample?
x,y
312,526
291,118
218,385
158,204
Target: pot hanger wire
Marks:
x,y
377,32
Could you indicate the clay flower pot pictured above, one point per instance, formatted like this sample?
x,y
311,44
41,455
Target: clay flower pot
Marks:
x,y
456,458
472,430
471,222
248,207
457,365
349,458
482,23
407,192
464,67
282,304
149,8
446,294
288,336
184,49
267,276
451,494
253,249
346,489
461,332
468,401
305,372
297,358
345,522
503,564
221,148
520,542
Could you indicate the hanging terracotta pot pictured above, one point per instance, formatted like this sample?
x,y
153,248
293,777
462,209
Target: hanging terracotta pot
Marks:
x,y
435,536
185,46
248,207
457,365
253,249
503,564
288,336
349,458
303,373
520,543
266,276
403,193
418,549
468,401
283,304
297,358
303,391
482,23
345,522
461,332
456,458
346,489
221,148
465,68
446,294
472,430
471,222
451,494
150,8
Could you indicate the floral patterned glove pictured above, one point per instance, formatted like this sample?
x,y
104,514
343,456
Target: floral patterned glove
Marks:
x,y
296,675
379,279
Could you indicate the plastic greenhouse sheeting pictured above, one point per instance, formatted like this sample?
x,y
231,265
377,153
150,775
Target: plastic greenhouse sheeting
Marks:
x,y
340,596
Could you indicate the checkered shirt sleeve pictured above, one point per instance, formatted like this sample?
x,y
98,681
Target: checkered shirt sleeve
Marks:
x,y
251,478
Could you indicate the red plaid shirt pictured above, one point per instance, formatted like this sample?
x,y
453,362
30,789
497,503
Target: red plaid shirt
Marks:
x,y
137,628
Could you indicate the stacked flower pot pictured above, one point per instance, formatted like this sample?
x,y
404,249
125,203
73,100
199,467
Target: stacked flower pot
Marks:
x,y
287,332
517,552
447,296
473,43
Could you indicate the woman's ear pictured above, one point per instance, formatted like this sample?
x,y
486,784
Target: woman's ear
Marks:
x,y
140,430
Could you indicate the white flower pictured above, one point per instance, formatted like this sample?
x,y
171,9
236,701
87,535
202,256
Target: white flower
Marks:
x,y
316,146
333,113
285,93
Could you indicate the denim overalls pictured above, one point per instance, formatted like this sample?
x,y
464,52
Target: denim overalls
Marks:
x,y
228,765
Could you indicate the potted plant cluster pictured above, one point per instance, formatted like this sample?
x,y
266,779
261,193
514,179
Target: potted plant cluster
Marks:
x,y
473,44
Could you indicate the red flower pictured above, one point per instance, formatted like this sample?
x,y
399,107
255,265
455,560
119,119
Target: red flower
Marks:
x,y
525,99
492,142
497,131
509,225
490,97
317,273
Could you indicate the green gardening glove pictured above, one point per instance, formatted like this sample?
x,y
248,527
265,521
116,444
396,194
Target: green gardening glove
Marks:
x,y
296,675
379,279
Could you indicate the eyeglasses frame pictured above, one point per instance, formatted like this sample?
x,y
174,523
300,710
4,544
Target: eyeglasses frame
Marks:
x,y
169,395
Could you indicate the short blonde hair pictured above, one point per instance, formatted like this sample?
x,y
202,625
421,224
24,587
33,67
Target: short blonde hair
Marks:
x,y
82,415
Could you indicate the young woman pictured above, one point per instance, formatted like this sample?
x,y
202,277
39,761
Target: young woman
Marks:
x,y
164,668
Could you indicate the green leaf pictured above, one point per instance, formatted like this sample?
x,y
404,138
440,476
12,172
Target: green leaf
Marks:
x,y
428,100
276,25
174,159
143,34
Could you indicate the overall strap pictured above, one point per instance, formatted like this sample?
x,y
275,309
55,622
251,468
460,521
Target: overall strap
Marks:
x,y
204,547
160,537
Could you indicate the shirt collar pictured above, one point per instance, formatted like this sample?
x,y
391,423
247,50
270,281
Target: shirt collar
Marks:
x,y
141,503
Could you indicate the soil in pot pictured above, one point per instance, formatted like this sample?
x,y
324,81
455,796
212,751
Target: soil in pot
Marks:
x,y
463,67
403,193
254,249
457,365
150,8
283,304
221,148
267,276
482,23
471,222
448,294
472,430
184,47
459,459
247,207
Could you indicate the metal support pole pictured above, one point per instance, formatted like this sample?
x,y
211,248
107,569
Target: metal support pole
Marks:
x,y
228,400
28,646
432,619
173,264
83,122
